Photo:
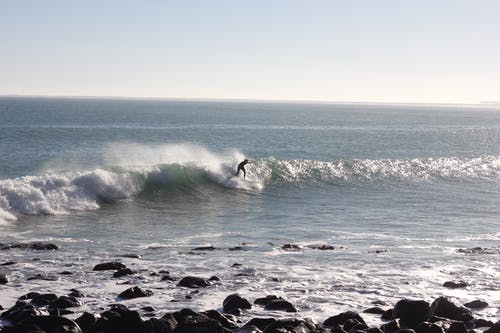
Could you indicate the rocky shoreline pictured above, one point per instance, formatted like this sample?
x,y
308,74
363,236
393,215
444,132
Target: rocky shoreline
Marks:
x,y
52,313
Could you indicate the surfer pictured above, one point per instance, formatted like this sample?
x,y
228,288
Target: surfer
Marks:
x,y
241,167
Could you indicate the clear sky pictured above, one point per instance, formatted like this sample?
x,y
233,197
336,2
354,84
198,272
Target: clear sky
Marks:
x,y
381,51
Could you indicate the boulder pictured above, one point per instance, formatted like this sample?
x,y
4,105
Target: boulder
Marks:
x,y
390,327
342,318
193,282
22,312
375,310
292,325
3,279
64,302
44,299
222,319
123,272
85,321
477,304
494,329
455,285
411,312
158,326
53,323
76,293
426,327
457,327
280,305
266,300
443,307
235,301
260,323
109,266
135,292
290,247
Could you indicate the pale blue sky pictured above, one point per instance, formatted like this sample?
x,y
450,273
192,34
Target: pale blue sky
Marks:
x,y
383,51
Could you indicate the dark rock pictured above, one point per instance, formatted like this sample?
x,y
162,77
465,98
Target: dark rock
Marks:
x,y
214,278
76,293
480,250
237,248
123,272
266,300
235,301
109,266
477,304
290,247
374,329
375,310
3,279
30,295
494,329
148,309
135,292
280,305
64,302
42,277
118,319
341,318
411,312
155,325
353,325
8,263
455,285
222,319
442,307
260,323
193,282
387,315
21,312
481,323
44,299
292,325
29,246
204,248
65,273
51,323
405,330
200,325
457,327
167,278
390,327
321,247
59,312
426,327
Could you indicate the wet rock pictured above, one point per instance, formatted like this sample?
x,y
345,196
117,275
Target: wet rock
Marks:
x,y
322,247
280,305
260,323
457,327
3,279
341,318
118,319
292,325
237,248
480,250
123,272
148,309
44,299
214,278
494,329
158,326
455,285
204,248
52,323
193,282
235,301
411,312
65,273
64,302
442,307
290,247
200,325
86,320
375,310
374,329
353,325
266,300
390,327
109,266
42,277
59,312
481,323
40,246
387,315
167,277
8,263
22,312
30,295
477,304
426,327
135,292
222,319
76,293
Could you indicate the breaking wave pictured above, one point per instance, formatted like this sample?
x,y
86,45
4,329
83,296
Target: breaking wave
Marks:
x,y
60,192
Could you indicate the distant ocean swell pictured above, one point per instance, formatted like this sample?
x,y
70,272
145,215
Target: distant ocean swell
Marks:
x,y
61,192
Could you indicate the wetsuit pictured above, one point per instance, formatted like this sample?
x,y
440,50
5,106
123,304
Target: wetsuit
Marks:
x,y
241,167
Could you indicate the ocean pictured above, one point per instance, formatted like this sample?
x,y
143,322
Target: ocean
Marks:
x,y
344,206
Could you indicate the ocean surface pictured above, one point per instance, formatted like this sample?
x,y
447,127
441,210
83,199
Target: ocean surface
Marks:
x,y
402,193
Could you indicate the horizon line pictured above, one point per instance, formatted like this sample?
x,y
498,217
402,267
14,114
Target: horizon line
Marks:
x,y
492,103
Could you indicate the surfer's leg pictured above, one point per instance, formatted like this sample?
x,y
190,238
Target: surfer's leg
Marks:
x,y
237,172
244,173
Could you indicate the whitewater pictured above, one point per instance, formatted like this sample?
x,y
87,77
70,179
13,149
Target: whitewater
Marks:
x,y
344,206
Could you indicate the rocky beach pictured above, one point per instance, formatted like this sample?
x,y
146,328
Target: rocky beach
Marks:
x,y
53,312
